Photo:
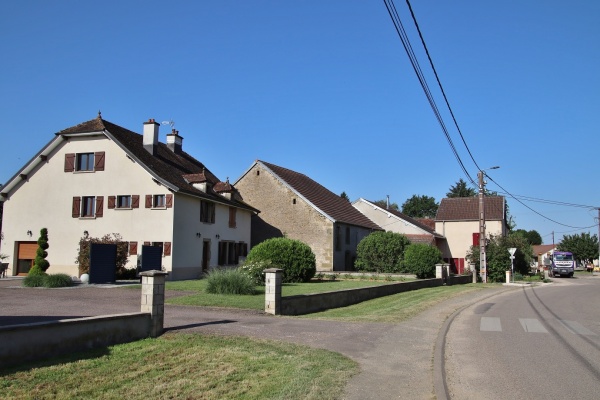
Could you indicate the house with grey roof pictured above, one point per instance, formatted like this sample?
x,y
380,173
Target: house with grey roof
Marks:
x,y
293,205
457,219
98,178
416,230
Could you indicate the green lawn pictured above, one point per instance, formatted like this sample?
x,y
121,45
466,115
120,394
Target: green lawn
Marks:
x,y
185,366
256,301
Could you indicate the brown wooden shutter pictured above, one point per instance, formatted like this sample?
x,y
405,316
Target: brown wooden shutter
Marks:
x,y
99,206
167,249
212,213
76,211
148,201
99,161
169,200
135,201
232,213
132,248
70,162
111,202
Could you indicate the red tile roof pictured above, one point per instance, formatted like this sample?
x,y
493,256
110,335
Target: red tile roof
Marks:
x,y
542,248
467,209
329,203
425,239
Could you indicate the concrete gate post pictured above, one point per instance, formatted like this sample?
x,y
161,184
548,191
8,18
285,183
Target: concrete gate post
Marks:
x,y
273,277
153,299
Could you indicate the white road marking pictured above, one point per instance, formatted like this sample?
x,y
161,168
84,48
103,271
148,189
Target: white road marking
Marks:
x,y
532,325
490,324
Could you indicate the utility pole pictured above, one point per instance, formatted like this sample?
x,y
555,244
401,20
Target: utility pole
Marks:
x,y
482,241
482,260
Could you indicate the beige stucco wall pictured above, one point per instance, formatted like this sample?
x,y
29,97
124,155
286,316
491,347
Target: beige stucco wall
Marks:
x,y
298,221
459,235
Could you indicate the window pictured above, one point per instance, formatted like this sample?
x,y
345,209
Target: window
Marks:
x,y
232,214
84,162
88,207
337,238
207,212
123,201
159,201
347,235
230,252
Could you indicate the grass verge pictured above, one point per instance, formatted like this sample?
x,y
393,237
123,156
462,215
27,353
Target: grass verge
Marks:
x,y
398,307
185,366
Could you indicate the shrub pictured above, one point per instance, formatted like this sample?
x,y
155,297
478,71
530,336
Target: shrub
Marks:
x,y
229,281
34,280
126,273
40,264
294,257
420,259
255,270
381,252
57,280
47,280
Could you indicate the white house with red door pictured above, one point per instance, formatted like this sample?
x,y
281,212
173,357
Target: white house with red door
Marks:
x,y
457,219
99,178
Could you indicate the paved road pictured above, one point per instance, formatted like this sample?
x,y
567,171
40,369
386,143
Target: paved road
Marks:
x,y
534,343
396,359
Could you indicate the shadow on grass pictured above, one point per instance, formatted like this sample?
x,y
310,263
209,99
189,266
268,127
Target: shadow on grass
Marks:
x,y
52,360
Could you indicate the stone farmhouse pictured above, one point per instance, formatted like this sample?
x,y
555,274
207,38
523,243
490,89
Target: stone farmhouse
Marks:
x,y
99,178
457,219
295,206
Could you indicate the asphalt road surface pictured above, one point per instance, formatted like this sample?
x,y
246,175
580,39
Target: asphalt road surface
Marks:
x,y
530,343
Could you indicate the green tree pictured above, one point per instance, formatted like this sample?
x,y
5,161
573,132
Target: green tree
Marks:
x,y
583,246
383,204
420,207
420,259
344,196
498,257
40,264
461,190
381,252
532,236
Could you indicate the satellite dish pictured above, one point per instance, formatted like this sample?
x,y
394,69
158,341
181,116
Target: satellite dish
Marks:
x,y
170,122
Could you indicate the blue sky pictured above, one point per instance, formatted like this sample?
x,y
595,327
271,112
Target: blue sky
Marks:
x,y
325,88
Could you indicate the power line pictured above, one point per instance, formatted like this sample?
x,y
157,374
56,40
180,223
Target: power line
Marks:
x,y
389,4
404,37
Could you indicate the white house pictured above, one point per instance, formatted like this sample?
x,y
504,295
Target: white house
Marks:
x,y
98,178
417,231
458,220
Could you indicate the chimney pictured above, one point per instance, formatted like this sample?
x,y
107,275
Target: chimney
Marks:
x,y
151,135
174,141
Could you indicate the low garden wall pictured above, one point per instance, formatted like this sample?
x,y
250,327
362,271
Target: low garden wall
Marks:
x,y
28,342
309,303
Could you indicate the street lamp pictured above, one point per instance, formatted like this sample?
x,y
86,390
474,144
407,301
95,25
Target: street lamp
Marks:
x,y
482,260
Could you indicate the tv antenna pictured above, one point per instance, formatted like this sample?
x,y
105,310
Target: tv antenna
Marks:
x,y
170,122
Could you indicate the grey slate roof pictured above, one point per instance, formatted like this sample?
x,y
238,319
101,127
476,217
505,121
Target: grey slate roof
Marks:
x,y
339,209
